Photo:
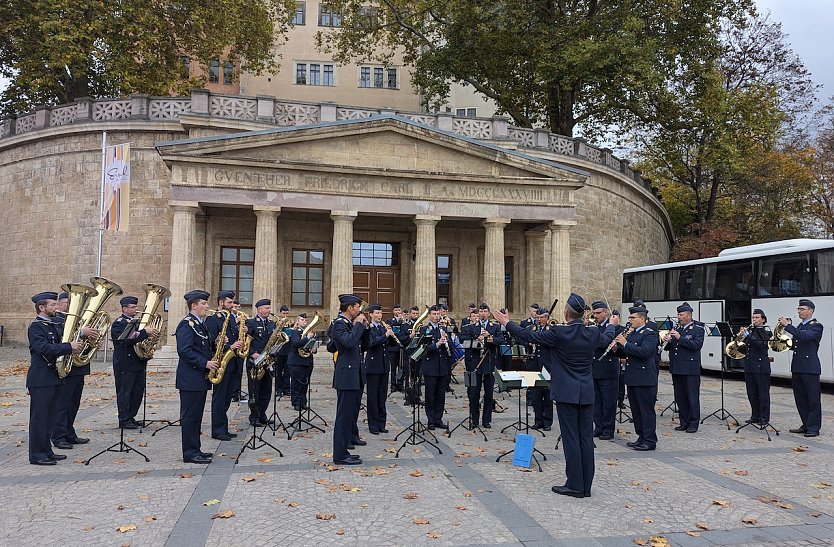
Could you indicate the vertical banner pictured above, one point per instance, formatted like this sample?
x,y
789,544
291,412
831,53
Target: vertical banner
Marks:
x,y
116,211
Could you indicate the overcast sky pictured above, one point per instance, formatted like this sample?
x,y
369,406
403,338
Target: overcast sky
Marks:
x,y
810,26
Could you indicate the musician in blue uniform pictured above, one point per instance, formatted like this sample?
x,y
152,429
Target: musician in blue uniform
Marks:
x,y
486,337
127,365
528,322
195,348
260,329
377,368
466,320
394,350
236,394
435,368
684,345
345,335
281,368
42,379
301,368
639,349
606,372
539,360
757,368
221,394
570,348
806,368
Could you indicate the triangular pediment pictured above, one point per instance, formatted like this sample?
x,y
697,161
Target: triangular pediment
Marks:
x,y
385,144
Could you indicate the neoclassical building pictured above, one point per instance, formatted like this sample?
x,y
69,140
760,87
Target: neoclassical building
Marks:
x,y
299,202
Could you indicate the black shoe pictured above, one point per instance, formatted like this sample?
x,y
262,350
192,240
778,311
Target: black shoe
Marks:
x,y
373,432
798,430
45,461
547,428
750,421
359,442
221,437
588,494
206,454
232,435
692,430
680,428
541,426
606,437
351,447
79,440
596,433
430,427
58,457
809,434
643,448
63,445
632,444
296,408
487,426
129,425
442,426
198,459
383,430
349,461
565,491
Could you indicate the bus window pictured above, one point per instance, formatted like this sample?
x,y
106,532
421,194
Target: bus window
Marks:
x,y
788,276
628,288
649,286
824,283
686,283
732,280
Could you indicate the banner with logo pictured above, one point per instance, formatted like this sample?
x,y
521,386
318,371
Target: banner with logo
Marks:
x,y
116,211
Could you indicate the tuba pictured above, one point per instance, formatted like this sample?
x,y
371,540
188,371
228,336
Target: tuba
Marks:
x,y
95,318
216,376
79,296
780,341
307,349
154,295
733,350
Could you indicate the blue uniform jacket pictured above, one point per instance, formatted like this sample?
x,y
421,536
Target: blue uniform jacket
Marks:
x,y
492,358
260,330
296,343
806,347
685,353
195,348
45,347
436,360
538,359
124,354
610,366
755,347
345,337
214,323
570,350
639,353
376,362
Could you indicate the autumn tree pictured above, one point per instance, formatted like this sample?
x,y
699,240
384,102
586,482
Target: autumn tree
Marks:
x,y
54,51
551,63
820,213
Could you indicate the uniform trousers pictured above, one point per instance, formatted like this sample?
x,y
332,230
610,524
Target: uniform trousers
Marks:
x,y
474,394
395,358
758,393
641,401
300,379
435,399
576,423
129,397
69,400
347,403
192,405
221,400
606,392
806,394
377,394
542,405
43,402
282,375
260,393
688,397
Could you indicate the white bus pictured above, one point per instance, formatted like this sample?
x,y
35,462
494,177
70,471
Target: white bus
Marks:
x,y
769,276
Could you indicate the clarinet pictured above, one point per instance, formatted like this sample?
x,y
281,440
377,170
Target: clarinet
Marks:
x,y
628,331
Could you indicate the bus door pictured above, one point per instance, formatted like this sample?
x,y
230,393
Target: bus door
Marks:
x,y
712,354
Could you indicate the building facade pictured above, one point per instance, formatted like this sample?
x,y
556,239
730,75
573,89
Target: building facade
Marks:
x,y
299,202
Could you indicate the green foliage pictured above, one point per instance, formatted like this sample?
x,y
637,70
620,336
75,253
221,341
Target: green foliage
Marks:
x,y
57,50
554,63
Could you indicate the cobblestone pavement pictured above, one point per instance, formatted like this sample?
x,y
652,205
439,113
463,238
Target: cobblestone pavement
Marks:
x,y
713,487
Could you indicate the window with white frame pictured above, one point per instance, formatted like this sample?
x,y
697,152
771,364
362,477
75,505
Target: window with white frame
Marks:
x,y
378,77
307,73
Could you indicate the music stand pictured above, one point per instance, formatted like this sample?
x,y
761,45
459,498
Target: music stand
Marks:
x,y
622,416
297,425
468,378
145,422
168,423
520,385
722,413
122,447
252,443
415,431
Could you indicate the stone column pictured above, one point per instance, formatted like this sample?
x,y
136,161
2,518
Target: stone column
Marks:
x,y
560,282
425,264
494,261
341,268
182,259
535,268
265,284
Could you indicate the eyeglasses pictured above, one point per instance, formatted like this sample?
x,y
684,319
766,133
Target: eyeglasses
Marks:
x,y
802,308
630,317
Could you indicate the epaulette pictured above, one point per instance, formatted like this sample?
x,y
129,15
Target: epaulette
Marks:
x,y
648,329
120,319
812,321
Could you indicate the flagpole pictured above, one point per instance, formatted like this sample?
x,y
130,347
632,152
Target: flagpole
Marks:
x,y
101,200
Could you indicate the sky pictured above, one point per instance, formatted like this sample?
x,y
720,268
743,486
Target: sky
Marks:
x,y
809,25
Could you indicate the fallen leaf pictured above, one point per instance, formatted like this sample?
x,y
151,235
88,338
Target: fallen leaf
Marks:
x,y
721,503
325,516
265,460
143,444
150,518
143,471
467,494
293,504
749,520
815,515
211,502
410,496
784,505
6,403
355,489
702,525
461,508
420,520
144,497
364,506
89,528
340,532
628,506
648,520
822,485
800,448
741,472
186,475
126,528
223,515
640,541
120,508
248,478
416,473
433,535
635,483
767,499
657,541
694,534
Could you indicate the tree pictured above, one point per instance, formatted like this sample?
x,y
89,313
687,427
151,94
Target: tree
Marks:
x,y
821,211
557,63
55,51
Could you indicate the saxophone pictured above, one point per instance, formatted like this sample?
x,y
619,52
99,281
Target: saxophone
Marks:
x,y
243,351
267,357
216,376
